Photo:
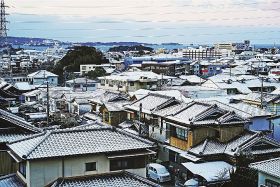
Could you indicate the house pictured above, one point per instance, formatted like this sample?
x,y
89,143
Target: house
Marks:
x,y
192,80
110,106
79,152
42,76
12,128
116,179
248,145
132,81
82,84
142,110
268,172
269,101
196,92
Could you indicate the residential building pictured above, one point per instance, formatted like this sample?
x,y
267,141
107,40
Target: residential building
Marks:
x,y
43,76
82,84
86,68
12,128
268,172
79,152
169,68
133,80
201,53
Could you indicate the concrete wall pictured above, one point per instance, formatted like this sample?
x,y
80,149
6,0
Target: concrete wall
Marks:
x,y
263,177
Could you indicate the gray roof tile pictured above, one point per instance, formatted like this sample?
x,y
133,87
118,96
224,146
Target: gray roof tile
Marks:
x,y
77,142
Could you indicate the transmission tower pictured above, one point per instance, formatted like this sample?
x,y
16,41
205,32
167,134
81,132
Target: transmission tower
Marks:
x,y
3,23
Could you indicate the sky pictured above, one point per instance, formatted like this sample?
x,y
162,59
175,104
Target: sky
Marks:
x,y
149,21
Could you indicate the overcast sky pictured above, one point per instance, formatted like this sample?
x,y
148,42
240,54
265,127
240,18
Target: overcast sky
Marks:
x,y
153,21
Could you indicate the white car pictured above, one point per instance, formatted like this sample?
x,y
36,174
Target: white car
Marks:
x,y
158,173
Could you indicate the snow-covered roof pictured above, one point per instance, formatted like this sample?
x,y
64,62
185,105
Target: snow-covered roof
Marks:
x,y
81,81
42,74
116,179
210,171
171,93
71,142
270,167
235,146
24,86
136,76
192,79
150,102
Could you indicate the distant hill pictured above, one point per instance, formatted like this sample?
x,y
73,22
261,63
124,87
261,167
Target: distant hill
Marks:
x,y
130,48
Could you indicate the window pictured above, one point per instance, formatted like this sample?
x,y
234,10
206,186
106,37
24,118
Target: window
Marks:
x,y
91,166
127,163
131,83
181,133
106,117
270,183
22,168
84,67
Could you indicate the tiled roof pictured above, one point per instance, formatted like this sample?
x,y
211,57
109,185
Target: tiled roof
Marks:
x,y
235,146
9,137
18,121
271,167
118,179
150,102
199,113
71,142
11,181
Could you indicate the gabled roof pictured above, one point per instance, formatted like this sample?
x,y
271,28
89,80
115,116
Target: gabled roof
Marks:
x,y
116,179
71,142
109,97
199,113
11,180
236,146
42,74
270,167
256,97
151,102
18,121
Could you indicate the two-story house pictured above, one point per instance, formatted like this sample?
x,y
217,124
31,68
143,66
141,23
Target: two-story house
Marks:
x,y
44,157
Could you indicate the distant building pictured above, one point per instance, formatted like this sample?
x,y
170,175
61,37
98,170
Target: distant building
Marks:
x,y
201,53
169,68
132,81
227,46
82,84
86,68
43,76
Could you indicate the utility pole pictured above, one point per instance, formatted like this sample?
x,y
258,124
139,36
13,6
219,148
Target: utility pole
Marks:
x,y
262,93
48,104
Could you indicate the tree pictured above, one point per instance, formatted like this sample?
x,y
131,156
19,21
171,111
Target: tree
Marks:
x,y
98,72
74,58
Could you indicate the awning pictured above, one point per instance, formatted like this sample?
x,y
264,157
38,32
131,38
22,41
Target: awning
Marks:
x,y
142,153
210,171
183,154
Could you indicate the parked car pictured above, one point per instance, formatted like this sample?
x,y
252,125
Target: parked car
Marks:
x,y
158,173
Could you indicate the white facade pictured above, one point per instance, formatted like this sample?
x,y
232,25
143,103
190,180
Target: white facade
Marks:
x,y
43,172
